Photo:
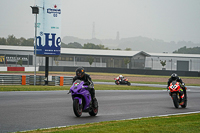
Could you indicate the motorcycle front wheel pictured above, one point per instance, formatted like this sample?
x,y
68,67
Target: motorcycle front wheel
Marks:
x,y
175,100
116,83
128,83
77,108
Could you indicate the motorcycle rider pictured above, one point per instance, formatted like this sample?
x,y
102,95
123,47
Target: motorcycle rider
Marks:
x,y
119,78
174,77
81,75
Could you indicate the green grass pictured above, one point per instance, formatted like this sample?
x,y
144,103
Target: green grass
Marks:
x,y
52,88
169,124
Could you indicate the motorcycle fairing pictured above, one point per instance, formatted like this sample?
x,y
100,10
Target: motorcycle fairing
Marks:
x,y
79,91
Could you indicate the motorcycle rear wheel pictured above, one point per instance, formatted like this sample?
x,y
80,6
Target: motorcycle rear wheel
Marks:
x,y
77,108
175,100
94,110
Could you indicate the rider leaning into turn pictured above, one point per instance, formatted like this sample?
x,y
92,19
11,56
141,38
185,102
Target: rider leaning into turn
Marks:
x,y
119,78
81,75
174,77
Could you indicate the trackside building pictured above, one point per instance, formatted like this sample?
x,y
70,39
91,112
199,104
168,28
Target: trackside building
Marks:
x,y
10,56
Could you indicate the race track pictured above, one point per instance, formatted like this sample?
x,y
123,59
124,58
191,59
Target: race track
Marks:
x,y
20,111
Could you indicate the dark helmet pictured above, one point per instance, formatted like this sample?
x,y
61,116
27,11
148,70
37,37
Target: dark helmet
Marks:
x,y
80,72
174,76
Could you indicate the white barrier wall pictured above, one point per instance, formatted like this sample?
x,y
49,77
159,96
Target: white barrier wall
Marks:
x,y
27,69
31,69
3,68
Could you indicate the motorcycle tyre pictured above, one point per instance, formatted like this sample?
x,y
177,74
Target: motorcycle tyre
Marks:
x,y
116,83
77,108
175,100
94,110
128,83
185,102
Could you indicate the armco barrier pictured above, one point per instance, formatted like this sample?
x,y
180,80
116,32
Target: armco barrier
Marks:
x,y
29,80
13,79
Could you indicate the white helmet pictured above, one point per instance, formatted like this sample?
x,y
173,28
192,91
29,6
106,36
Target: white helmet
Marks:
x,y
120,76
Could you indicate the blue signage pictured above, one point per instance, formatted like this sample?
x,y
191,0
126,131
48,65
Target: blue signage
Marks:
x,y
51,44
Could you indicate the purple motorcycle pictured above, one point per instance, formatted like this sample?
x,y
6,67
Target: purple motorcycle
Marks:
x,y
82,101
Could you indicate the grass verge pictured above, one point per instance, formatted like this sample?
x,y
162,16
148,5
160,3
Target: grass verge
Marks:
x,y
169,124
52,88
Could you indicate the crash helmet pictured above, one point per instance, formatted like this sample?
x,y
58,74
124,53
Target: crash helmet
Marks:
x,y
174,76
120,76
80,72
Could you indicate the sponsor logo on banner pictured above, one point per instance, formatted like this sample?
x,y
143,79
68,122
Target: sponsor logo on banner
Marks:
x,y
55,11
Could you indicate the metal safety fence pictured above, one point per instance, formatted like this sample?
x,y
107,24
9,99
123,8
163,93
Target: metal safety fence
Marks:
x,y
6,79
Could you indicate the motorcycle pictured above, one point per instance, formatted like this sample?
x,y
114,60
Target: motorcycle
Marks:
x,y
175,89
124,81
82,101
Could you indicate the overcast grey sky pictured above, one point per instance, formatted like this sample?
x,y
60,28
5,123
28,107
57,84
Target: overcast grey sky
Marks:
x,y
168,20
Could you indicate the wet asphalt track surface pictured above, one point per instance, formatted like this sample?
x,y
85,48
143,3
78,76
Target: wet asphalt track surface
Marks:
x,y
20,111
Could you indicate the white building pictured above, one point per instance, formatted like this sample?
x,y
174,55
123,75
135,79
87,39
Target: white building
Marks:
x,y
10,55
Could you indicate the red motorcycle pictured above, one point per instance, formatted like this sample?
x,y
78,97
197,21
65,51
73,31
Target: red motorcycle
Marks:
x,y
123,81
175,91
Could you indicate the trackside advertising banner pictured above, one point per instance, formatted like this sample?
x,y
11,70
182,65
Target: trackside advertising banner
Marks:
x,y
48,27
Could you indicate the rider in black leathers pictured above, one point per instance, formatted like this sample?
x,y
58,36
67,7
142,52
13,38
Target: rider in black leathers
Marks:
x,y
81,75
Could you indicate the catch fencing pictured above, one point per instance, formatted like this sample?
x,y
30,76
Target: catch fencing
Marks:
x,y
6,79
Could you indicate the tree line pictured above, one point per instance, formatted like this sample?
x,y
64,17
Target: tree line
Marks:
x,y
185,50
13,41
88,46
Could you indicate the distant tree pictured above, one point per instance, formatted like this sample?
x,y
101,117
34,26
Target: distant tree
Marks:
x,y
20,62
63,45
12,40
163,63
126,61
106,48
3,41
128,49
90,60
184,50
93,46
22,41
29,42
74,45
117,49
89,46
